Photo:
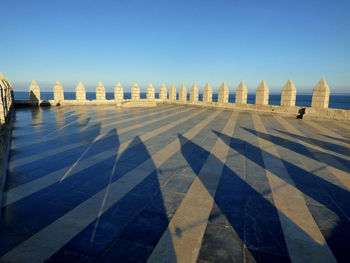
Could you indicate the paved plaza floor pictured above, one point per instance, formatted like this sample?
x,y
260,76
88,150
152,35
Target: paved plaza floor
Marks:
x,y
175,184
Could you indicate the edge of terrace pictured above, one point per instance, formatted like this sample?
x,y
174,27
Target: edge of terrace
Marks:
x,y
318,110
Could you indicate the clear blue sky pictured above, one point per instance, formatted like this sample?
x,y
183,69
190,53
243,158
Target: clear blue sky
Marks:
x,y
175,42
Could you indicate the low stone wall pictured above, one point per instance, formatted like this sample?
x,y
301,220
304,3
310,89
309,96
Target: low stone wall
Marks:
x,y
318,110
6,115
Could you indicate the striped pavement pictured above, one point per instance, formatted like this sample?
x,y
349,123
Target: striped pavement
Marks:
x,y
175,184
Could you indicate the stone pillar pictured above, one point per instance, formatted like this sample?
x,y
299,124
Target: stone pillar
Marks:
x,y
194,93
262,94
6,98
223,93
100,92
207,93
7,93
58,94
80,92
12,98
320,95
34,92
172,93
118,93
135,92
241,94
2,101
150,92
183,93
163,92
288,94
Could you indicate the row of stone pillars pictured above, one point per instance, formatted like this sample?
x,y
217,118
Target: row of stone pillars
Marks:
x,y
320,96
6,100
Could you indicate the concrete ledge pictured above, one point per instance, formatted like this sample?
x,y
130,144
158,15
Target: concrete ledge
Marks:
x,y
139,103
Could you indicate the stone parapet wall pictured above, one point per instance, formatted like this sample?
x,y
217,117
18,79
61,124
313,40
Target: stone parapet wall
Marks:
x,y
7,100
6,116
135,92
241,94
288,95
34,92
319,107
183,93
163,92
194,93
58,93
172,93
223,93
100,92
262,94
320,95
150,93
118,93
80,92
207,94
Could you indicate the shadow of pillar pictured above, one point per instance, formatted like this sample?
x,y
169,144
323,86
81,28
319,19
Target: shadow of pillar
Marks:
x,y
240,216
332,201
129,230
33,99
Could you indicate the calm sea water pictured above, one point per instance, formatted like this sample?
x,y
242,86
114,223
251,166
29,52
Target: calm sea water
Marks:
x,y
339,101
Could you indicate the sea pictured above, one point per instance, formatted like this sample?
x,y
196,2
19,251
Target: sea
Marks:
x,y
338,101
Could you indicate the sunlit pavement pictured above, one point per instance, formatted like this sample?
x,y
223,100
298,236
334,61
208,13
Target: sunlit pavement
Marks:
x,y
175,184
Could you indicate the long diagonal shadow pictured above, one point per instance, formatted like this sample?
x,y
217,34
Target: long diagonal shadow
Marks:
x,y
35,169
302,149
332,197
31,214
260,231
130,229
323,144
337,139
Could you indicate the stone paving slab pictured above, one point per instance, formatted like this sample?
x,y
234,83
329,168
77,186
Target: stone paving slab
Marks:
x,y
175,183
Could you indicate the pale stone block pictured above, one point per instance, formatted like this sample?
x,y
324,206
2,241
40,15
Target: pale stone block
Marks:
x,y
118,93
9,93
320,95
223,93
7,96
2,108
135,92
241,94
207,93
58,93
183,93
262,94
163,92
80,92
34,92
100,92
150,92
172,93
288,95
1,76
194,93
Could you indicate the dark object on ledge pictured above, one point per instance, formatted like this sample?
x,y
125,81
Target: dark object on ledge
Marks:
x,y
45,103
301,113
